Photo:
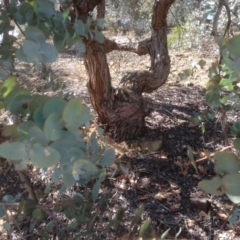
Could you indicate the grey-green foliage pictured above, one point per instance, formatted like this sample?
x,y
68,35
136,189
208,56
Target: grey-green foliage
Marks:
x,y
222,96
227,179
52,136
223,86
225,77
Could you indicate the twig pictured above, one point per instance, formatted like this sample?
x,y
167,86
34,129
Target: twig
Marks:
x,y
20,29
212,154
26,180
215,32
215,23
9,204
178,23
225,4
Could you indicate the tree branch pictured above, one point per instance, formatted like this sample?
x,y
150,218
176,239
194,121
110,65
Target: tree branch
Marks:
x,y
101,9
215,22
225,3
140,48
215,32
26,180
160,11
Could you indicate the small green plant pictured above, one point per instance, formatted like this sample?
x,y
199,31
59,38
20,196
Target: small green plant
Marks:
x,y
228,176
222,96
223,86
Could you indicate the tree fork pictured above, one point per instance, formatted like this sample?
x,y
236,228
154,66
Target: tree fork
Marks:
x,y
122,110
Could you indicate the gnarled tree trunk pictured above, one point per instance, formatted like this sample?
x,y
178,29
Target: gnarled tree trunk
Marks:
x,y
122,110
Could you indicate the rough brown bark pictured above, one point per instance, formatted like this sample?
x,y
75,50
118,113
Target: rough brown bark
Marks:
x,y
101,9
148,81
122,110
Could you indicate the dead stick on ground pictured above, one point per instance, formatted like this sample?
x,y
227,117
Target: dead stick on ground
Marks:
x,y
212,154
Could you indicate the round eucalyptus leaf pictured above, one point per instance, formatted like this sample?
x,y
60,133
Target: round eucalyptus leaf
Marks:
x,y
73,110
43,157
100,22
78,200
38,214
85,116
7,64
80,28
6,150
74,129
226,163
56,175
35,134
53,127
236,143
68,180
31,50
8,199
232,188
212,186
84,167
108,158
17,101
48,53
34,34
54,105
98,36
81,48
67,148
6,226
233,45
70,212
19,105
93,145
38,117
46,7
94,158
20,55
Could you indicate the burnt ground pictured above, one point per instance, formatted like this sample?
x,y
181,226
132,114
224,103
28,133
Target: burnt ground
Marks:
x,y
163,180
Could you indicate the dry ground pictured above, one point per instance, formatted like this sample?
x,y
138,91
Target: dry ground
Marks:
x,y
161,178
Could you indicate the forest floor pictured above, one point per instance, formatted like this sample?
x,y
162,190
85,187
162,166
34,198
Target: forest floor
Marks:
x,y
161,177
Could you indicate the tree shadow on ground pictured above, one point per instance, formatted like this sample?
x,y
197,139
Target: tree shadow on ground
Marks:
x,y
165,182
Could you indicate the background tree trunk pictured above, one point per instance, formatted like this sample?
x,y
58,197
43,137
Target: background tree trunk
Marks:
x,y
122,110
